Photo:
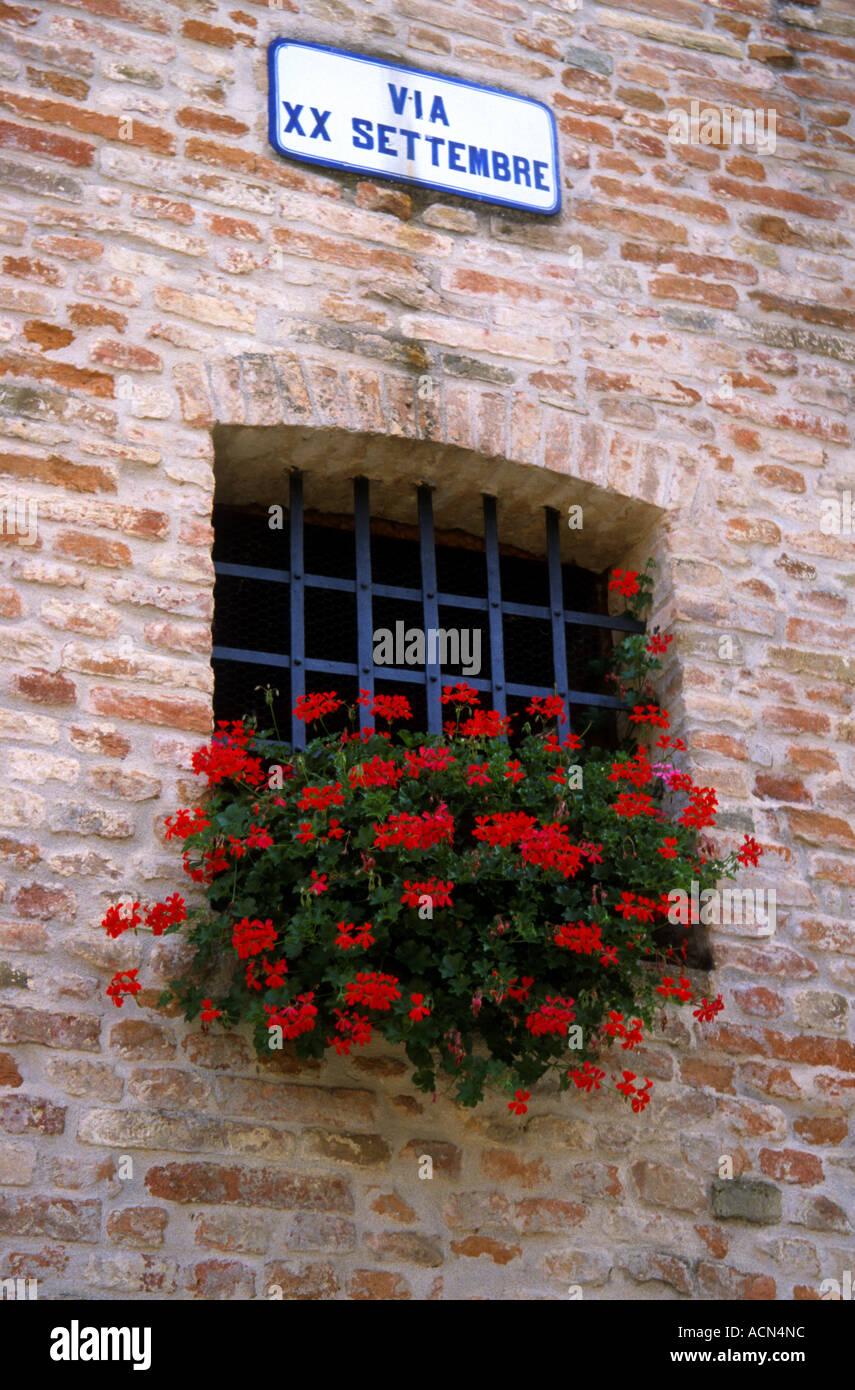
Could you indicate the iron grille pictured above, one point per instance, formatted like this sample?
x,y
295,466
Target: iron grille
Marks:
x,y
297,609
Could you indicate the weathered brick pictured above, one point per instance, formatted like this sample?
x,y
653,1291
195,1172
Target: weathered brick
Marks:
x,y
59,1218
212,1183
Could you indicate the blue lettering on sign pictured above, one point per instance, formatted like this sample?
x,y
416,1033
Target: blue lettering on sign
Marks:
x,y
454,150
496,164
391,147
399,98
479,161
362,138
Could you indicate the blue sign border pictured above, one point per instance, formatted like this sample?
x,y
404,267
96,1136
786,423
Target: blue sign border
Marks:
x,y
273,102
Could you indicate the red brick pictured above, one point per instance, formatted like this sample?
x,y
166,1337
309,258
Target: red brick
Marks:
x,y
365,1284
473,1247
724,1282
137,1039
222,1279
9,1074
44,687
20,1114
140,1228
408,1247
446,1157
49,1029
263,1187
174,711
791,1165
302,1282
56,1217
504,1166
92,550
757,999
821,1129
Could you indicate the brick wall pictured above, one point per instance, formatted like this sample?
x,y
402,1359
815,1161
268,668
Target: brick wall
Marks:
x,y
690,364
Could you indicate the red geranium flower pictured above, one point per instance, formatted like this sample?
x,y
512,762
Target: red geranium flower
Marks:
x,y
624,582
419,1009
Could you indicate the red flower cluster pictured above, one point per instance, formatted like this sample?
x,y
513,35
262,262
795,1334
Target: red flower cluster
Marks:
x,y
681,991
350,936
549,846
414,832
157,917
750,851
641,1096
658,646
487,724
250,938
428,759
438,891
624,582
615,1027
701,810
506,829
185,823
226,757
293,1019
650,714
478,775
355,1030
518,1106
214,861
377,772
316,705
555,1016
632,804
707,1010
374,990
546,706
582,939
209,1013
634,905
123,982
387,707
587,1077
636,770
321,798
460,694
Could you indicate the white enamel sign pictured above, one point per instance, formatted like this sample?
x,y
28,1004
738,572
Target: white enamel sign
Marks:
x,y
351,112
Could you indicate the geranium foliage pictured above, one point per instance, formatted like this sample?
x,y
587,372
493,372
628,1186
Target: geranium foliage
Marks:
x,y
491,906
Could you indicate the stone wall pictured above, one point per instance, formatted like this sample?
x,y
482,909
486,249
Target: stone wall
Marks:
x,y
676,347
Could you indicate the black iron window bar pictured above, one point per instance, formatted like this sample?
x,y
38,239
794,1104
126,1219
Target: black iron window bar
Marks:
x,y
430,599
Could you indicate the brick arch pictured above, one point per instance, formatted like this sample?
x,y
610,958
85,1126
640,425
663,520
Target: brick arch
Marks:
x,y
286,388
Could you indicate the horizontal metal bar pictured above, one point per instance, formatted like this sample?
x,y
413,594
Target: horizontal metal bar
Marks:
x,y
328,581
515,610
250,658
252,572
394,591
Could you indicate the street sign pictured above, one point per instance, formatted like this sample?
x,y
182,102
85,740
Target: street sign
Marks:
x,y
347,111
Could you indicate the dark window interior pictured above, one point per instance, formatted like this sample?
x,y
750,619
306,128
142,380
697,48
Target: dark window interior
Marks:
x,y
252,614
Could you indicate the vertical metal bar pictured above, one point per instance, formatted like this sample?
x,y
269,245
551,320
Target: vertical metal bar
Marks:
x,y
297,599
430,607
556,611
494,604
364,621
